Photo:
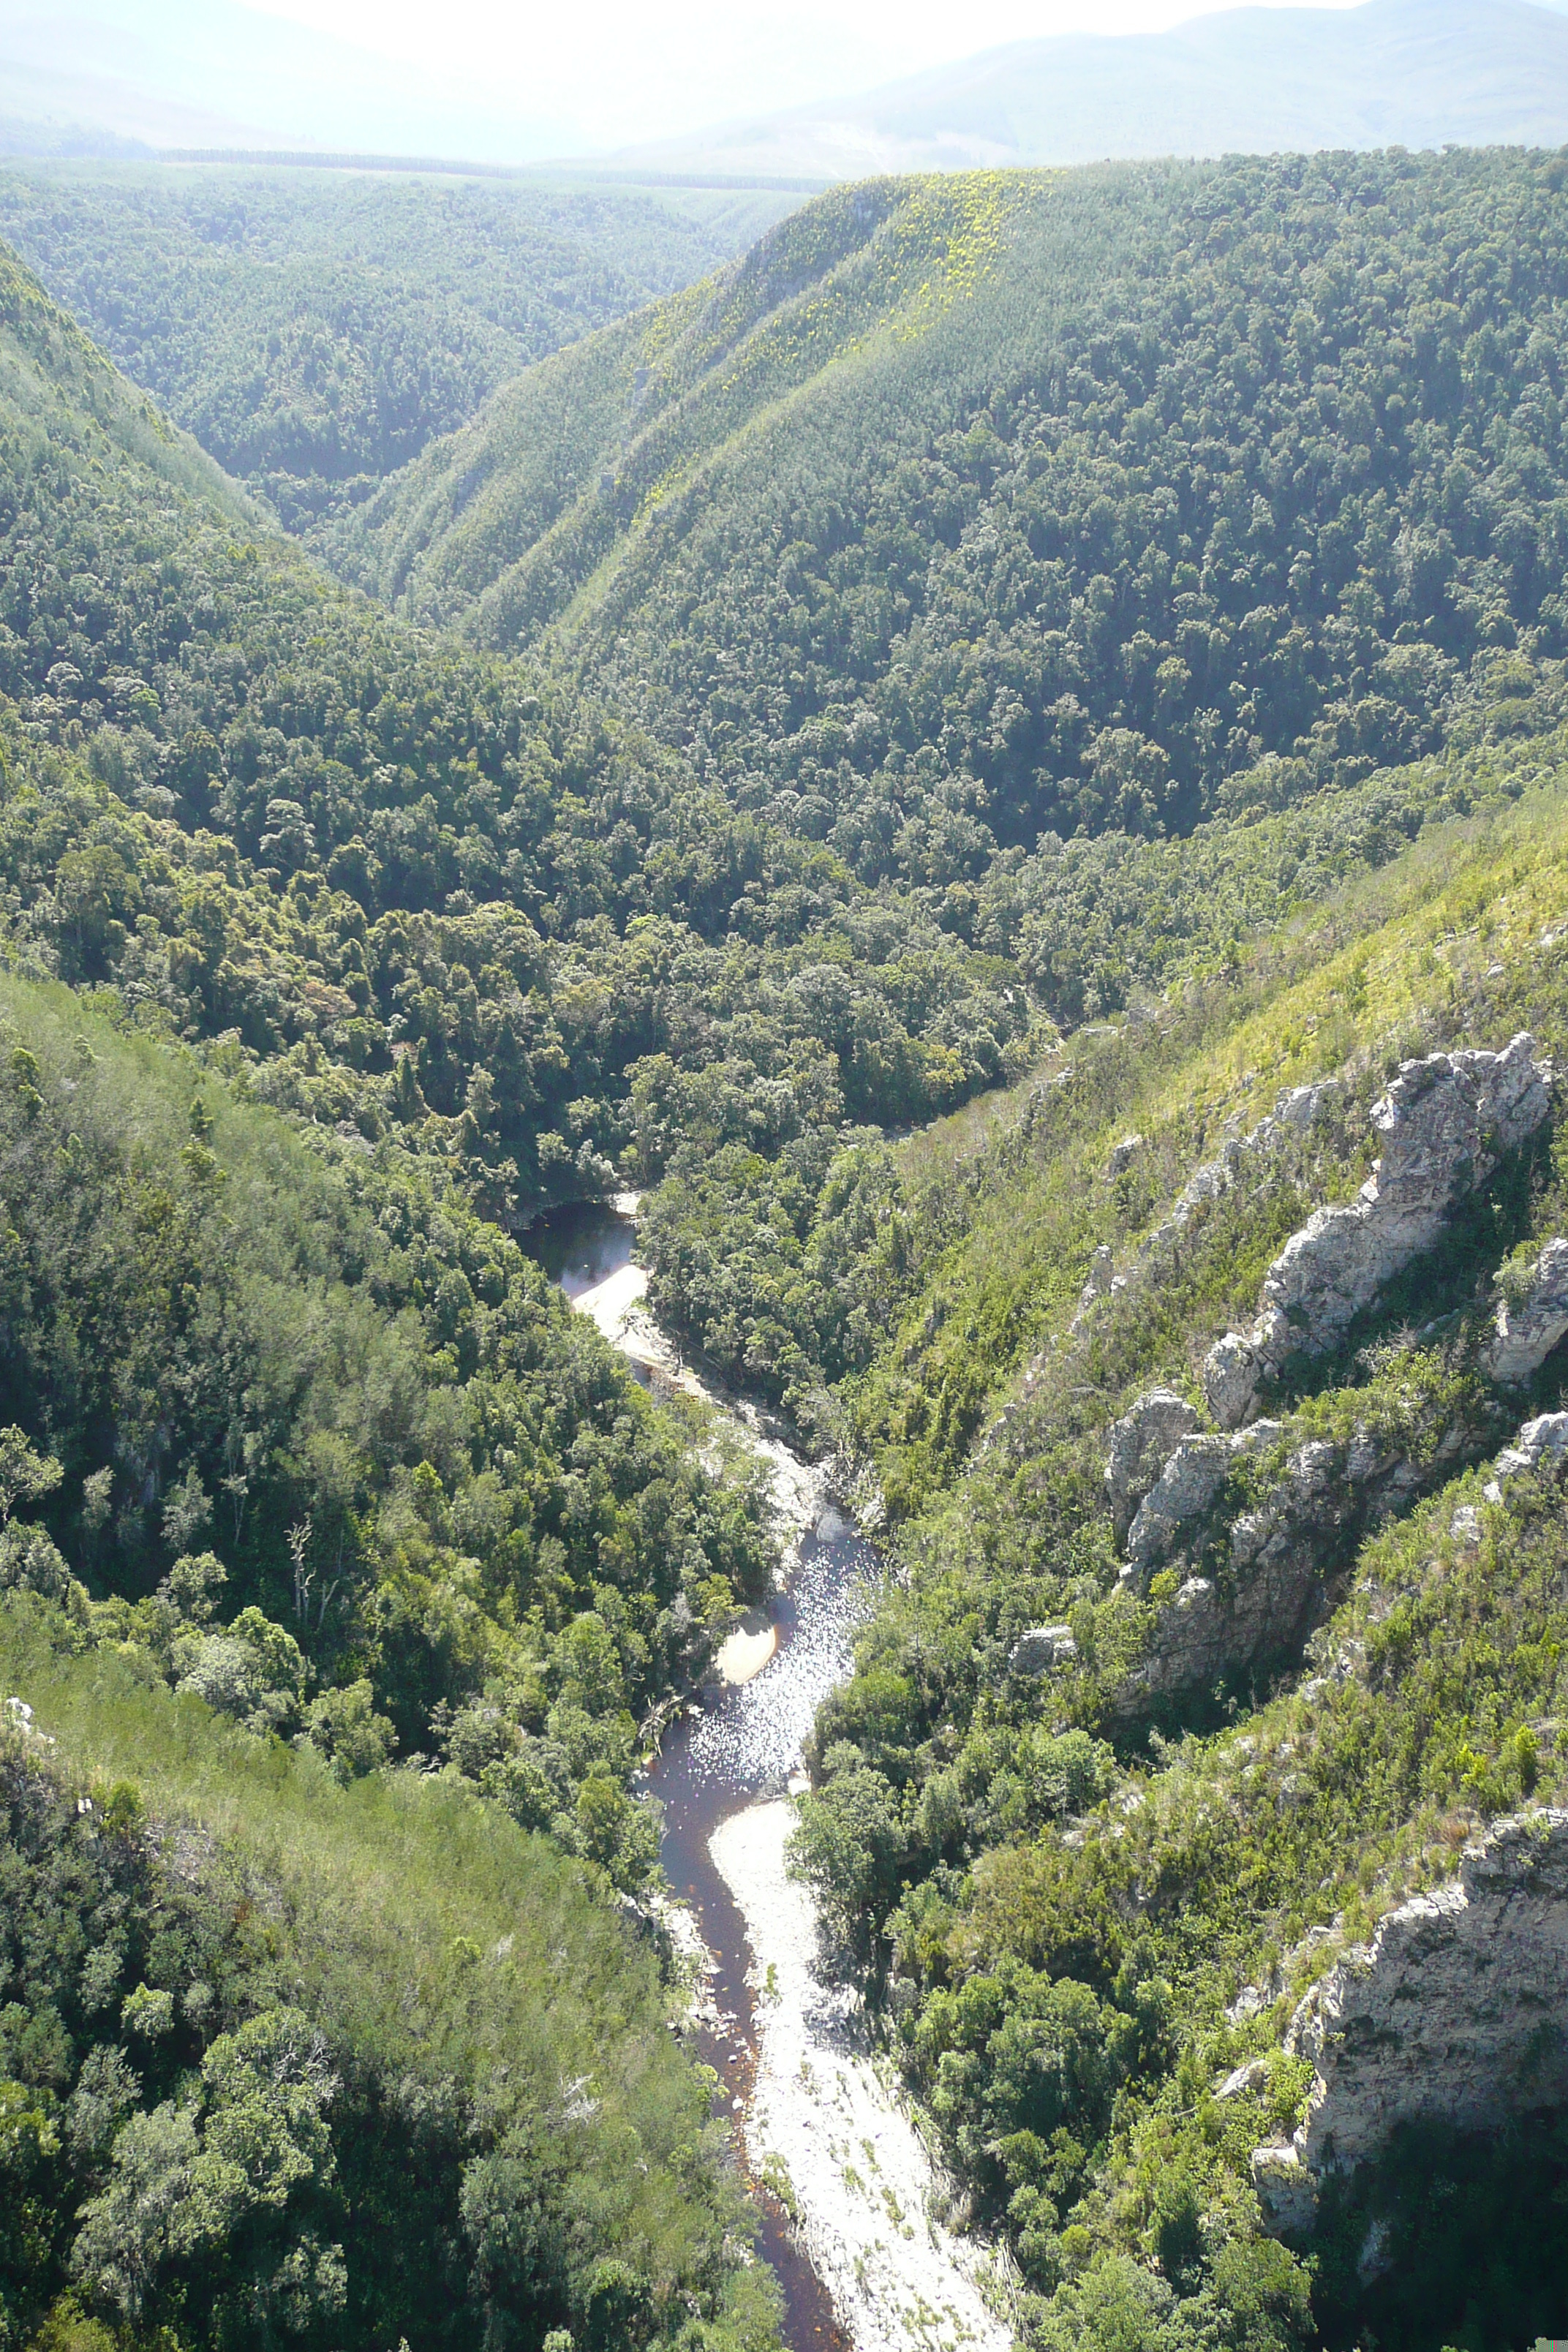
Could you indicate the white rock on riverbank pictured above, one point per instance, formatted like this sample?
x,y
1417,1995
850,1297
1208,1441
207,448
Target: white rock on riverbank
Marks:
x,y
860,2175
799,1488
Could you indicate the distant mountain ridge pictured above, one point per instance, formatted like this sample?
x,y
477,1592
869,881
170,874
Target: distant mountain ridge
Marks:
x,y
112,78
1412,73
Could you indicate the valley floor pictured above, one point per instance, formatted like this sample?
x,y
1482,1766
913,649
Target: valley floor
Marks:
x,y
822,2108
863,2184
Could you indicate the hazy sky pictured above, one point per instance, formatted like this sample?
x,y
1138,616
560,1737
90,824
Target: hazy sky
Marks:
x,y
633,69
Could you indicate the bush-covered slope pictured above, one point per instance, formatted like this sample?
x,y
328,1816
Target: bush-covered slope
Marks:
x,y
433,887
1043,500
315,330
789,1269
284,2062
328,1449
1057,1865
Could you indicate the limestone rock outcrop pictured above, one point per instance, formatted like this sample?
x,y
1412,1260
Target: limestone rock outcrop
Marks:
x,y
1542,1439
1252,1586
1445,1123
1142,1442
1454,2012
1041,1648
1529,1331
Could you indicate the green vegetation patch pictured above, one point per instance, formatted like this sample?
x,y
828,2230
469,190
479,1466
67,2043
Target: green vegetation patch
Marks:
x,y
291,2061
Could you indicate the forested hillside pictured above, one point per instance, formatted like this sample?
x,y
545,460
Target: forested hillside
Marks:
x,y
1004,756
970,508
1096,505
315,330
286,2061
305,1470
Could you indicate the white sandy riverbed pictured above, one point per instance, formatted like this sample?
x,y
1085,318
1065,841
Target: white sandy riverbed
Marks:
x,y
617,1304
858,2170
747,1651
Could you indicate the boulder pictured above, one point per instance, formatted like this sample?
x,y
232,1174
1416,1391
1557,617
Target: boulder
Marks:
x,y
1232,1375
1122,1156
1286,2190
1446,1124
1439,2018
1101,1280
1301,1107
1542,1439
1528,1332
1142,1442
1042,1648
1101,1267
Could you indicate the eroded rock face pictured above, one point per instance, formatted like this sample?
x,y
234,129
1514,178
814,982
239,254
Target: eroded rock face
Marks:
x,y
1455,2011
1142,1442
1446,1124
1526,1334
1041,1649
1252,1589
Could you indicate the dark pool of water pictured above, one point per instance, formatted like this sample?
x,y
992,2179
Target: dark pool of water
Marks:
x,y
581,1244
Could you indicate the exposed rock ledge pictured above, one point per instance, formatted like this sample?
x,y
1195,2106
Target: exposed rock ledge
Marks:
x,y
1454,2012
1252,1584
1529,1328
1445,1123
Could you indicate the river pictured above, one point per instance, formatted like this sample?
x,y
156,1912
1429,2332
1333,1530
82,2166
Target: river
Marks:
x,y
863,2261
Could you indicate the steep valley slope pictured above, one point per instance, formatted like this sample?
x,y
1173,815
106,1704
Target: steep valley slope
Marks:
x,y
1003,759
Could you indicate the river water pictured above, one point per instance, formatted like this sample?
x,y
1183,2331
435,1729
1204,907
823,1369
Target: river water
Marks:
x,y
742,1746
723,1766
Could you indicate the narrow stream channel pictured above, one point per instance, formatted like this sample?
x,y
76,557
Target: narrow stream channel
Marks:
x,y
714,1764
900,2282
744,1744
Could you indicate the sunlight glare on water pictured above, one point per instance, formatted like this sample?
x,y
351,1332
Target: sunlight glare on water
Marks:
x,y
751,1741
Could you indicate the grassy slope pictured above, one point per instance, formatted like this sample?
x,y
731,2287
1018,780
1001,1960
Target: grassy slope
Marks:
x,y
434,1943
734,377
1329,1792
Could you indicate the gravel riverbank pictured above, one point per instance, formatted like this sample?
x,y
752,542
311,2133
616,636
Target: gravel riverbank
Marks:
x,y
861,2180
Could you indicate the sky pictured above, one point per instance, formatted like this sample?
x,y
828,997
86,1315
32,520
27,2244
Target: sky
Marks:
x,y
623,70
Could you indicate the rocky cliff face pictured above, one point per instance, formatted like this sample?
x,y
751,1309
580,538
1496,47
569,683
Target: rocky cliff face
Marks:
x,y
1252,1585
1446,1124
1457,2010
1530,1328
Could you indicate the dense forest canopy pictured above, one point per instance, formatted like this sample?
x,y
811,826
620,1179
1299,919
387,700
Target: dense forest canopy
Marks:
x,y
971,508
903,747
315,330
420,883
